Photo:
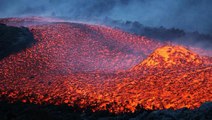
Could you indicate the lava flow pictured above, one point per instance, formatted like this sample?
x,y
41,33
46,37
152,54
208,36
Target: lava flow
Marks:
x,y
102,68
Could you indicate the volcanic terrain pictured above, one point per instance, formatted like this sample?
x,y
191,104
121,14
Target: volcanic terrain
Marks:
x,y
102,68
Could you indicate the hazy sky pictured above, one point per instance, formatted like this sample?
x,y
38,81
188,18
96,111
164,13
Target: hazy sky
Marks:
x,y
190,15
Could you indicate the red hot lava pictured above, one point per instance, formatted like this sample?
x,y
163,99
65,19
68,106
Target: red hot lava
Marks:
x,y
104,69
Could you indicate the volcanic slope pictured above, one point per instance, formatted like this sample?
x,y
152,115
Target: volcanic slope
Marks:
x,y
77,64
81,47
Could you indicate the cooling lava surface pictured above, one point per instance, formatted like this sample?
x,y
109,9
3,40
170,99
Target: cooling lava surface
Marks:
x,y
97,67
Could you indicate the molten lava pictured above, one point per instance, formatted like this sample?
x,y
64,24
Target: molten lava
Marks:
x,y
171,55
102,68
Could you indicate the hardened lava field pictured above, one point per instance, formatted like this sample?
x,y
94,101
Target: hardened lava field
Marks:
x,y
102,68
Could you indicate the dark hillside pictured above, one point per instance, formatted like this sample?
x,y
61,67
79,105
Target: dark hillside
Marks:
x,y
14,39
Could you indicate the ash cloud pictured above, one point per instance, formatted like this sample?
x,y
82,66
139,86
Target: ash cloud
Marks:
x,y
190,15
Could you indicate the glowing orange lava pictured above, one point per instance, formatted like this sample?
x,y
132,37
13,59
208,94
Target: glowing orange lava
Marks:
x,y
102,68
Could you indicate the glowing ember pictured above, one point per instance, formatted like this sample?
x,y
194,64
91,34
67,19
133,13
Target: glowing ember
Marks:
x,y
104,69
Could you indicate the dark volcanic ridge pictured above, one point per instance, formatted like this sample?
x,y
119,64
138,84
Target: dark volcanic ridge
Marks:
x,y
105,69
25,111
14,39
178,36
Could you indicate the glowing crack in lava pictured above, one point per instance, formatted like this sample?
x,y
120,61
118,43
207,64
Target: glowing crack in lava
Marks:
x,y
102,68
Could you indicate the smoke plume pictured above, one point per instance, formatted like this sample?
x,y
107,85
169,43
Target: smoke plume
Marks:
x,y
190,15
